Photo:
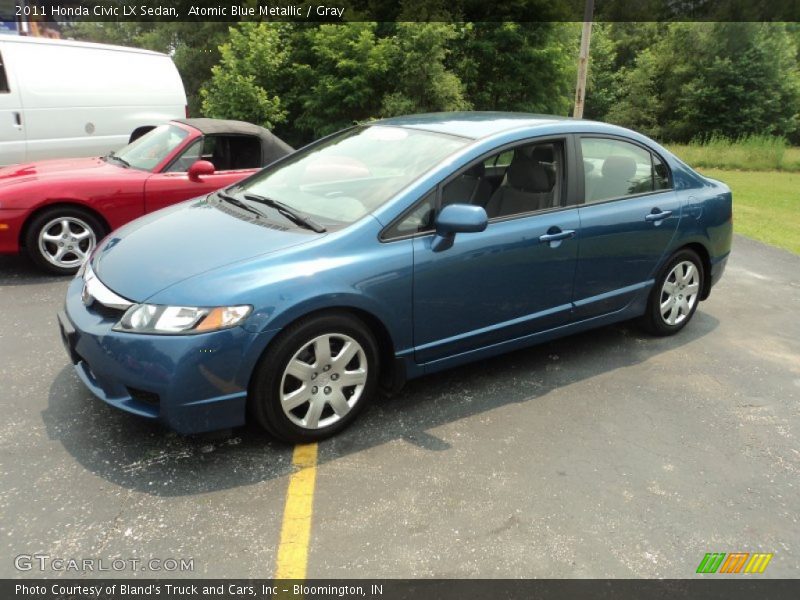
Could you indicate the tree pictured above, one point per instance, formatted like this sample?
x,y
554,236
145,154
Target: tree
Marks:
x,y
341,74
602,86
309,80
703,79
422,81
242,84
517,66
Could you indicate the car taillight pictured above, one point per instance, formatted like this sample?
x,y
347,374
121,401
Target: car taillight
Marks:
x,y
187,111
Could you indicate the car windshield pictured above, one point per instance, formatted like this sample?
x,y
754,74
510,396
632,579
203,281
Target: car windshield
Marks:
x,y
149,150
350,174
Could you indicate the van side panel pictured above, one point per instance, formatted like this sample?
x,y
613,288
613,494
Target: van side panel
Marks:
x,y
81,100
12,137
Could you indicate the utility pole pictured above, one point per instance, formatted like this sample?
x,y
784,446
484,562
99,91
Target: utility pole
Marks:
x,y
583,59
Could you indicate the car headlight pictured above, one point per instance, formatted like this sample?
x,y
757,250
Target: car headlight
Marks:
x,y
154,318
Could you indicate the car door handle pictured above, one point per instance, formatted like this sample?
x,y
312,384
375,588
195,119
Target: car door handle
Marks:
x,y
658,216
557,236
17,120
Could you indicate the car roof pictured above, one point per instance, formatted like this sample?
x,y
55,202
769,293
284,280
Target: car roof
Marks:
x,y
24,39
272,146
482,124
223,126
477,124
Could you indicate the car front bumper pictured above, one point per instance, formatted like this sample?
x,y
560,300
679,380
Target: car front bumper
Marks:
x,y
718,268
190,383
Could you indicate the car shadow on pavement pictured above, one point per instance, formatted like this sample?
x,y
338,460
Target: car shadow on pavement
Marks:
x,y
143,456
20,270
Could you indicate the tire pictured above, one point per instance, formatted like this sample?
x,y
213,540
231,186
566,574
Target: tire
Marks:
x,y
675,295
59,239
292,393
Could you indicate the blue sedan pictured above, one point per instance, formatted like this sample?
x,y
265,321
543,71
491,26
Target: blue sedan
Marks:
x,y
385,252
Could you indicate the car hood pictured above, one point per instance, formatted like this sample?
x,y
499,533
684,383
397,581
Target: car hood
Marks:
x,y
168,246
68,168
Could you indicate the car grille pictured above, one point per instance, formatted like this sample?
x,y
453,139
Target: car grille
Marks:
x,y
106,312
144,396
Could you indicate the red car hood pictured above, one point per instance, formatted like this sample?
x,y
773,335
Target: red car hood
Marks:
x,y
65,168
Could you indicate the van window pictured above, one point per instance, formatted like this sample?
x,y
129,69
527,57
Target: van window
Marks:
x,y
4,89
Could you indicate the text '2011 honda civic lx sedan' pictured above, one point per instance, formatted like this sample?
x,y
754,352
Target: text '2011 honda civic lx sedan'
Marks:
x,y
385,252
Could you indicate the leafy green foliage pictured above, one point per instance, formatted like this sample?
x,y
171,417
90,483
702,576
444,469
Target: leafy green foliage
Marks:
x,y
603,79
674,81
239,84
340,76
312,80
518,66
704,79
422,82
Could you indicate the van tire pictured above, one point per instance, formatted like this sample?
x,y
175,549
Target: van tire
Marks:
x,y
59,239
139,132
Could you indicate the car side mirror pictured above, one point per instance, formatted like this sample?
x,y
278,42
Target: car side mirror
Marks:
x,y
199,169
457,218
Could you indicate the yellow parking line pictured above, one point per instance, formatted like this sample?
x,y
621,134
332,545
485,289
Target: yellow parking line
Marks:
x,y
296,529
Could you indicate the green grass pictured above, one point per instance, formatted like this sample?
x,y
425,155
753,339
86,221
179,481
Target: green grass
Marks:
x,y
753,153
766,205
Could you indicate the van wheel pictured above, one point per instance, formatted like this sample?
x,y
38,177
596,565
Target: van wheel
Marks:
x,y
59,239
675,295
315,379
139,132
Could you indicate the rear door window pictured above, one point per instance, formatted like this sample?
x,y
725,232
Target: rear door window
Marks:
x,y
616,169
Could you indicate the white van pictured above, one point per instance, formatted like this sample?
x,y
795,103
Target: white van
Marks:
x,y
60,98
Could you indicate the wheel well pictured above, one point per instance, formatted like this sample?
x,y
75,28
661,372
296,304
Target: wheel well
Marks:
x,y
139,132
66,204
389,377
702,252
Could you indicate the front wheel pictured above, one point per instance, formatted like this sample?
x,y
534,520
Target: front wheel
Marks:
x,y
315,379
675,295
59,239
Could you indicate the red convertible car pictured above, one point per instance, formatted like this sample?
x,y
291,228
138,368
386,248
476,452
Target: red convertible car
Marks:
x,y
57,210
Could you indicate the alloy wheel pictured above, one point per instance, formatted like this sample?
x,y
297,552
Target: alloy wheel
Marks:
x,y
323,381
65,242
679,293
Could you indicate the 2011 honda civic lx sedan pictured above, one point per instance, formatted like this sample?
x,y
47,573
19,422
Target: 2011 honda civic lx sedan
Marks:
x,y
384,252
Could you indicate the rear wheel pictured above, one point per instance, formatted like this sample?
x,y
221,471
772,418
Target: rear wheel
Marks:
x,y
675,295
59,239
315,379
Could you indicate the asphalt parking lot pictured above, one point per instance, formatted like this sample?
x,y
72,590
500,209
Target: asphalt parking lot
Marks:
x,y
607,454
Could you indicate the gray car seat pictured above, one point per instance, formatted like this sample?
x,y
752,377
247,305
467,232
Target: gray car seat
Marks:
x,y
545,155
527,187
471,187
617,174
